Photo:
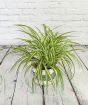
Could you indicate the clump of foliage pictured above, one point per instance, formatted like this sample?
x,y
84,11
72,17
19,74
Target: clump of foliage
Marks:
x,y
45,50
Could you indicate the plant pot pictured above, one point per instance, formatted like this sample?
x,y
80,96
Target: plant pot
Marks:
x,y
44,75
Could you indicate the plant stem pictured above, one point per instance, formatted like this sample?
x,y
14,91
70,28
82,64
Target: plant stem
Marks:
x,y
80,58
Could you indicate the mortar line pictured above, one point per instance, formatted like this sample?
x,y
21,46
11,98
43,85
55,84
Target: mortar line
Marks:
x,y
71,85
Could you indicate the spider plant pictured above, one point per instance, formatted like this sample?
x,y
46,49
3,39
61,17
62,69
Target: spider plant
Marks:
x,y
45,50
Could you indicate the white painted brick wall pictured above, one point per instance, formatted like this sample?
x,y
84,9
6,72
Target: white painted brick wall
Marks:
x,y
71,14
